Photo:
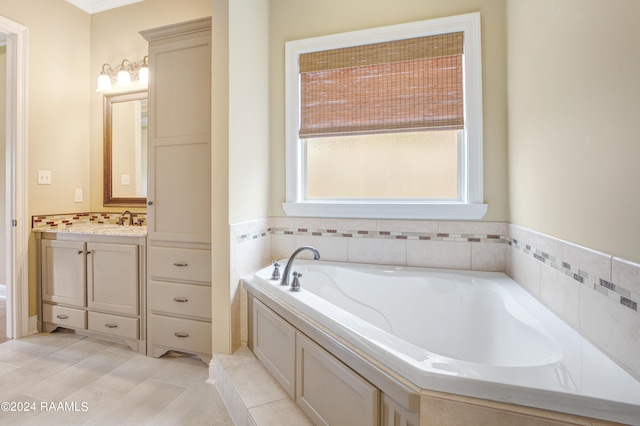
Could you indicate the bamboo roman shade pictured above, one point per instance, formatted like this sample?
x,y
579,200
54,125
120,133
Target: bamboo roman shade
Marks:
x,y
405,85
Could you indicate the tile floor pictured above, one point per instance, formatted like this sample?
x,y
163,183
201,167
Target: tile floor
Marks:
x,y
103,383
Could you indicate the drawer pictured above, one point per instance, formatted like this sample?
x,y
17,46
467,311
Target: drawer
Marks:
x,y
114,325
179,264
75,318
180,299
181,334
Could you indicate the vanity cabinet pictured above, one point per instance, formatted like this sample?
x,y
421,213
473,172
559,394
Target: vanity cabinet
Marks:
x,y
179,189
91,284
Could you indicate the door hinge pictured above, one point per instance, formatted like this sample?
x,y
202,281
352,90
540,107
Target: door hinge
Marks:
x,y
14,223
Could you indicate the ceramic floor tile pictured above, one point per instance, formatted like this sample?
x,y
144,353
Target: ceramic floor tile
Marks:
x,y
141,404
187,409
254,385
31,374
183,371
112,385
130,374
81,349
70,379
278,413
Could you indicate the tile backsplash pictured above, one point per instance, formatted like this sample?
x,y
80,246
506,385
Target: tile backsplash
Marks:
x,y
70,219
596,293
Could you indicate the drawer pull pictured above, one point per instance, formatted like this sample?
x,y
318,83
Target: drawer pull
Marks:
x,y
180,299
80,251
181,334
111,325
62,316
180,264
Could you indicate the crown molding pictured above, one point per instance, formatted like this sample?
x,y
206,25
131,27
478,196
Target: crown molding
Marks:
x,y
95,6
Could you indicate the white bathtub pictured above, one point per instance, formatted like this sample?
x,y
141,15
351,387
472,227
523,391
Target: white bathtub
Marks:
x,y
464,332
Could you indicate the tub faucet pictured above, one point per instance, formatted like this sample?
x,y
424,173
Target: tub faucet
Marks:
x,y
287,268
126,212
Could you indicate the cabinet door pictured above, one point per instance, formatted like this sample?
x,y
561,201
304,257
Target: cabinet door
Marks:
x,y
63,272
112,277
328,392
179,162
274,343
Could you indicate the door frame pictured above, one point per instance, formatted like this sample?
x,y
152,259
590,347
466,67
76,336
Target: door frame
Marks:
x,y
17,225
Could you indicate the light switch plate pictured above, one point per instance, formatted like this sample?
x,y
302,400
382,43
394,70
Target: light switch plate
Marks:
x,y
78,195
44,177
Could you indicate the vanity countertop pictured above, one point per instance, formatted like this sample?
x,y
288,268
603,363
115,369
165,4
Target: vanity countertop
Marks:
x,y
98,229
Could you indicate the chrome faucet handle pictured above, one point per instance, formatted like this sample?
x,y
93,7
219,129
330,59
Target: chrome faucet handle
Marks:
x,y
275,275
295,285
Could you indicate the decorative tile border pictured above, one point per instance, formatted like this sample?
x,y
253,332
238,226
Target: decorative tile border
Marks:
x,y
68,220
625,297
349,233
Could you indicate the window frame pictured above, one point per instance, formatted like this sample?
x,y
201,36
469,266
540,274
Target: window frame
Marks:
x,y
470,206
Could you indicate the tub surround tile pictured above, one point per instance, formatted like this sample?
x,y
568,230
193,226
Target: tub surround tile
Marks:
x,y
559,273
525,270
378,251
331,249
623,271
439,254
488,257
411,226
615,330
561,294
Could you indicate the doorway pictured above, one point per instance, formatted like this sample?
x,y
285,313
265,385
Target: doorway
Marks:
x,y
15,223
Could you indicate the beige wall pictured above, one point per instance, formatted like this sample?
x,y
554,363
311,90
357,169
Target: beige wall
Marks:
x,y
58,116
114,37
574,128
240,146
295,19
248,110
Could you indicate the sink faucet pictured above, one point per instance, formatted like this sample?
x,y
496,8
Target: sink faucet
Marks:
x,y
126,212
287,268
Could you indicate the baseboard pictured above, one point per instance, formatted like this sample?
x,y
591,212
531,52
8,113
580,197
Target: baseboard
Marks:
x,y
33,325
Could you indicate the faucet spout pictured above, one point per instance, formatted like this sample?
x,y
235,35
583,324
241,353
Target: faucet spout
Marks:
x,y
287,268
126,212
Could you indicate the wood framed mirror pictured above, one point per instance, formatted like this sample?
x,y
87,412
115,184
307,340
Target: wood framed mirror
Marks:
x,y
125,149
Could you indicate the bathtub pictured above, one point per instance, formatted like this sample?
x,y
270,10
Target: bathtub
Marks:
x,y
469,333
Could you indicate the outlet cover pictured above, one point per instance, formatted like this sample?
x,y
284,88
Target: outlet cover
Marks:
x,y
44,177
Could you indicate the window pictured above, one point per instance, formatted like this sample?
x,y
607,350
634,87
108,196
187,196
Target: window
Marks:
x,y
386,123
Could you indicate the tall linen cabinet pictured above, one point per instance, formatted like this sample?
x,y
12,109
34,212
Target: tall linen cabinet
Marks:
x,y
179,189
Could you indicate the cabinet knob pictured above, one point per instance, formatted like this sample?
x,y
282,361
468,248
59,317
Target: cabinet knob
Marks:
x,y
80,251
180,299
181,334
149,203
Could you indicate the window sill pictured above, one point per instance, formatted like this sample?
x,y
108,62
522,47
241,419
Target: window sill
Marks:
x,y
430,211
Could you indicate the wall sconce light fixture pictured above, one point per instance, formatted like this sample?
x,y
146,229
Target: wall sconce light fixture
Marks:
x,y
123,75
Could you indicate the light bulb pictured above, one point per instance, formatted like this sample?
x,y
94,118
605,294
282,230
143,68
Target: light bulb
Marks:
x,y
124,78
143,75
104,83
